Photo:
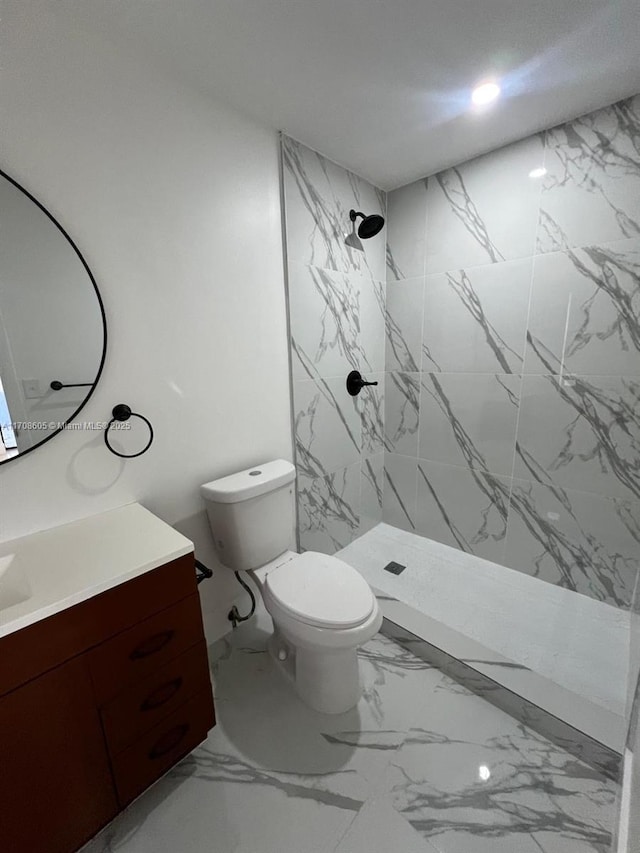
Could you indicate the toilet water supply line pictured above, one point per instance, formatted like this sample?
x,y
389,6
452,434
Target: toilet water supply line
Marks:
x,y
204,573
234,615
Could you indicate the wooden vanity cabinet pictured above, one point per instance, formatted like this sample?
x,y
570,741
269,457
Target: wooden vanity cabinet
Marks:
x,y
96,703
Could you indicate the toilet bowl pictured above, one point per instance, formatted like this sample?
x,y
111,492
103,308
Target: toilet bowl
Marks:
x,y
322,608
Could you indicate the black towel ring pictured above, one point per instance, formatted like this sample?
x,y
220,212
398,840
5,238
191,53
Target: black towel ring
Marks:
x,y
122,412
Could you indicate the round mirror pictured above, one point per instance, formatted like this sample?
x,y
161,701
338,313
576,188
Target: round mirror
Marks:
x,y
52,325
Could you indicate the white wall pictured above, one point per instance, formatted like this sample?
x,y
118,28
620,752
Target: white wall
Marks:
x,y
174,202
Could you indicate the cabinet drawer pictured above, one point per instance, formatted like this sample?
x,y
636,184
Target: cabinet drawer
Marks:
x,y
136,653
146,760
28,653
143,706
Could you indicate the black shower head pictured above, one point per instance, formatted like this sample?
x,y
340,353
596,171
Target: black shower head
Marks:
x,y
370,225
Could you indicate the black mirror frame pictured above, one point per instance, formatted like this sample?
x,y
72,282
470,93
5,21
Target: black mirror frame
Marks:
x,y
103,316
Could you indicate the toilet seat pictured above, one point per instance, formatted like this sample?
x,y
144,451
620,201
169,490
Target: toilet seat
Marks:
x,y
321,591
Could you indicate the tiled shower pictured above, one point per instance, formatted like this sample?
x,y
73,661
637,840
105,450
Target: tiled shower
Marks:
x,y
502,324
512,417
506,422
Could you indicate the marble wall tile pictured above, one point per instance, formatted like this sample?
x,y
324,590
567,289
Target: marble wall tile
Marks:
x,y
372,298
338,323
576,540
402,409
530,354
318,197
329,510
370,404
406,231
469,419
465,508
325,322
475,320
581,433
585,311
371,491
404,324
484,211
591,191
328,432
399,496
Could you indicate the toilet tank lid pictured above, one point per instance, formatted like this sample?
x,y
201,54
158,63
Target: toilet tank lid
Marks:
x,y
250,483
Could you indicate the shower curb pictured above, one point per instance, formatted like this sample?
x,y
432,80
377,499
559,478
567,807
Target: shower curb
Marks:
x,y
410,629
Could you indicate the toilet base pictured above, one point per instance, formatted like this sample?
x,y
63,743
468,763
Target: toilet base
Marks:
x,y
328,680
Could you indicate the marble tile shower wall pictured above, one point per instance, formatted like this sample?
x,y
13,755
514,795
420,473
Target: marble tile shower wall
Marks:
x,y
512,388
337,324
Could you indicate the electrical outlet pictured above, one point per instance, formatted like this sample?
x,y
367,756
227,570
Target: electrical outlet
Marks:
x,y
31,388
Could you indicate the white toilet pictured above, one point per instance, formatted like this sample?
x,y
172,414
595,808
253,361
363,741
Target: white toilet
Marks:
x,y
322,608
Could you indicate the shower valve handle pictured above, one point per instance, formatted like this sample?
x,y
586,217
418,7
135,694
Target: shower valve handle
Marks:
x,y
355,383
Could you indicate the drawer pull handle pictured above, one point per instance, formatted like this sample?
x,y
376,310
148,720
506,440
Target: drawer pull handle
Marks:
x,y
151,645
168,741
161,695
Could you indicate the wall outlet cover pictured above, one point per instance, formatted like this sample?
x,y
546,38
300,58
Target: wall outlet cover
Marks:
x,y
31,388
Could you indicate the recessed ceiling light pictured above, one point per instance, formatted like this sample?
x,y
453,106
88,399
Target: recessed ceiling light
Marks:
x,y
538,173
485,93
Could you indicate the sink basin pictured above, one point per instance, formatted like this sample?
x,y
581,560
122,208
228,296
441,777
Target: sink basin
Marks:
x,y
14,584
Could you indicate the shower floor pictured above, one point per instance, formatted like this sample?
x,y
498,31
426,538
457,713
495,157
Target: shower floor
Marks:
x,y
572,641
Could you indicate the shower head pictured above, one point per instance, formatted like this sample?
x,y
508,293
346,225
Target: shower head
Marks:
x,y
370,225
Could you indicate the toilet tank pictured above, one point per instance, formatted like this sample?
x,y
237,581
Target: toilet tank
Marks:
x,y
251,514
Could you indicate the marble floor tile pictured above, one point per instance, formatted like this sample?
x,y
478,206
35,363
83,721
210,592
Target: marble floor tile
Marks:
x,y
470,775
378,828
399,771
484,311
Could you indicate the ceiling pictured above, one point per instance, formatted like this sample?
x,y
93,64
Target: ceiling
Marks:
x,y
382,86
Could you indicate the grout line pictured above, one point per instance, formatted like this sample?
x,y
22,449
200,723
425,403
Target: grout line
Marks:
x,y
422,312
524,350
564,339
285,269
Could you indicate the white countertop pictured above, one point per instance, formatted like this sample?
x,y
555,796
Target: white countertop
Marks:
x,y
65,565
